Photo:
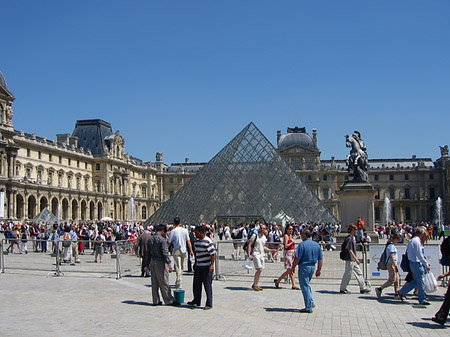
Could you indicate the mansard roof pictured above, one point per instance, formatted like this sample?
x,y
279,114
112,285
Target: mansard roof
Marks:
x,y
91,135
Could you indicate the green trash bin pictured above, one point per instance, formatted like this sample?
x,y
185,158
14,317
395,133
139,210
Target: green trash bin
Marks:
x,y
178,295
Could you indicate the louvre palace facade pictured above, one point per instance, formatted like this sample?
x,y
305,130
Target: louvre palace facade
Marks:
x,y
87,175
83,176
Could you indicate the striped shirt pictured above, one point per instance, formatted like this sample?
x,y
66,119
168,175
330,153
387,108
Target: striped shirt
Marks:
x,y
204,249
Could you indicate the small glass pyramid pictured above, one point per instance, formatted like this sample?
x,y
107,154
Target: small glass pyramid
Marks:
x,y
246,178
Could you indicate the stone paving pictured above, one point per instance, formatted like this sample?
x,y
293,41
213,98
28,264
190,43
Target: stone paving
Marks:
x,y
89,300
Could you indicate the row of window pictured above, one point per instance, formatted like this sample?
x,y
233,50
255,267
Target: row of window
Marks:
x,y
60,159
406,194
392,195
405,177
69,162
142,174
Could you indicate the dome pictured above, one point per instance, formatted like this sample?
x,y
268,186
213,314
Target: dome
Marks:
x,y
297,138
2,80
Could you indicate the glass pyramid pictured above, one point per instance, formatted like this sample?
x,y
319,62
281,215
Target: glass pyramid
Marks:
x,y
247,178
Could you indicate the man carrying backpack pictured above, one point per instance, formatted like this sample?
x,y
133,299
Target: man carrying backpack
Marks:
x,y
239,234
351,263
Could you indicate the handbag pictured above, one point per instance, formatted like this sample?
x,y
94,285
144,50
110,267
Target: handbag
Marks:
x,y
430,283
404,264
66,244
247,264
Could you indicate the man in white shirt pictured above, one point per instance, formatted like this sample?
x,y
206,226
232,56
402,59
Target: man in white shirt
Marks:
x,y
419,266
179,241
256,250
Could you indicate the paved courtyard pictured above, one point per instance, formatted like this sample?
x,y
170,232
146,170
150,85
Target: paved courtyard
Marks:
x,y
88,300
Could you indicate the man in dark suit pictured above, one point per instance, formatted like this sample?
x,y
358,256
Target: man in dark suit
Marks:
x,y
141,248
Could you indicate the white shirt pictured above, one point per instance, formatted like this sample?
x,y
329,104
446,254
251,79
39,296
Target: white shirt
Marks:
x,y
416,252
178,238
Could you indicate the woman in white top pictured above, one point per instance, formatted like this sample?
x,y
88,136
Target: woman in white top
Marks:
x,y
392,266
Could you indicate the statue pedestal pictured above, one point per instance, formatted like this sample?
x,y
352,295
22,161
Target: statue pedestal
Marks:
x,y
356,200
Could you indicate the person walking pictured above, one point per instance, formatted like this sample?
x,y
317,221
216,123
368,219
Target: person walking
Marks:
x,y
289,255
392,266
141,247
419,266
352,263
256,250
179,243
442,314
205,256
307,255
157,260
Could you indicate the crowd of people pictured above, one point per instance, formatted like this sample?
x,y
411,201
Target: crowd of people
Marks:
x,y
158,246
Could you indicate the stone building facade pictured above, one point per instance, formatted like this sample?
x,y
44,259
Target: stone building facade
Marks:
x,y
412,185
83,176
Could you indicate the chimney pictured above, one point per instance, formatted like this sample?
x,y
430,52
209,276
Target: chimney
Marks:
x,y
63,139
73,142
278,136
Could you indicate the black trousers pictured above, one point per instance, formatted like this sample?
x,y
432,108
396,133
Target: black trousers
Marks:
x,y
445,307
202,277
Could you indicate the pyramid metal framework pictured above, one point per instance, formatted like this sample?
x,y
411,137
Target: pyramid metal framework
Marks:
x,y
246,178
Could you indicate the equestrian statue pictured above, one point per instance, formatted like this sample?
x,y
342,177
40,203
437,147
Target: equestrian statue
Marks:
x,y
357,161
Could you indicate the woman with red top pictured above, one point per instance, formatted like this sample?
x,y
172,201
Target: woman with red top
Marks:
x,y
289,255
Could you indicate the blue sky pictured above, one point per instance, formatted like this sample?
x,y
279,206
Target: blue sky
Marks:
x,y
184,77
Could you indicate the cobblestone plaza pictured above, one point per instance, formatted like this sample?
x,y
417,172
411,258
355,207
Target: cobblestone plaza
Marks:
x,y
89,300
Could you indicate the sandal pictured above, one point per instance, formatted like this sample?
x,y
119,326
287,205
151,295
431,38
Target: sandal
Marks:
x,y
295,288
277,285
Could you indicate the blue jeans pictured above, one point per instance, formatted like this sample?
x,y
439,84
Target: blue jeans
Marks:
x,y
418,271
305,273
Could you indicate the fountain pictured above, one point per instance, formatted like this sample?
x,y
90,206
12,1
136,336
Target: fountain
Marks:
x,y
387,211
439,217
132,209
58,211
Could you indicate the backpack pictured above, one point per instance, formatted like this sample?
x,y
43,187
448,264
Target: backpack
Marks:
x,y
445,251
247,242
382,264
343,253
237,234
233,234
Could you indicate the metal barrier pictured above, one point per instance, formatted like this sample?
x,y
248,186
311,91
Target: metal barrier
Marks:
x,y
15,255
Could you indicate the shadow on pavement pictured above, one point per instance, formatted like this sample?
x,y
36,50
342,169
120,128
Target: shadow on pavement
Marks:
x,y
281,310
137,303
426,325
239,288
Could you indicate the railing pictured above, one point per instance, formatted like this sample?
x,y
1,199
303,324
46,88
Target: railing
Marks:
x,y
15,255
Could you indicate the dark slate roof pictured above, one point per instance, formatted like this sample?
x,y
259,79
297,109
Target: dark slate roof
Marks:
x,y
91,134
